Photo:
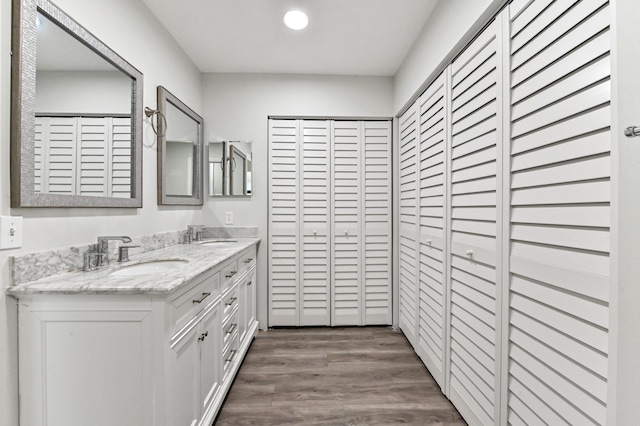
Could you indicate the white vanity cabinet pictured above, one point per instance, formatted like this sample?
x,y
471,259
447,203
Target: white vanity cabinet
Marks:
x,y
136,359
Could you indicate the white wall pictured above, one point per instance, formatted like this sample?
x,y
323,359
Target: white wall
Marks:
x,y
450,27
130,29
236,107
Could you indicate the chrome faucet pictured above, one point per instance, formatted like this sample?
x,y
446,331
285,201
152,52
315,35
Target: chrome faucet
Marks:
x,y
103,248
194,233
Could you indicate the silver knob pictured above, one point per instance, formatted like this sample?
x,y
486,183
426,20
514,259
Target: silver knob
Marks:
x,y
470,253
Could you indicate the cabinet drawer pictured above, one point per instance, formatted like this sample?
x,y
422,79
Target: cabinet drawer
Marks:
x,y
230,329
229,303
230,352
229,272
247,259
186,306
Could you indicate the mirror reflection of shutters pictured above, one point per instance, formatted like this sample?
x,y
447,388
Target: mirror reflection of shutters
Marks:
x,y
121,157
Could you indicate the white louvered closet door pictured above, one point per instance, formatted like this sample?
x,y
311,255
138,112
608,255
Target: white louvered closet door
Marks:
x,y
284,247
560,212
432,221
376,222
408,288
345,219
315,199
475,124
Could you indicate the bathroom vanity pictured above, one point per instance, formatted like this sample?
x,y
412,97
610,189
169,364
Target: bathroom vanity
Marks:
x,y
156,341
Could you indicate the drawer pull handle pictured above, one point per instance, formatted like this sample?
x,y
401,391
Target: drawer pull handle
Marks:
x,y
249,283
203,336
232,354
469,253
230,274
231,329
231,301
249,260
204,296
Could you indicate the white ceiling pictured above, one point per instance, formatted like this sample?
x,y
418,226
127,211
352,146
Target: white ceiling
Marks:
x,y
345,37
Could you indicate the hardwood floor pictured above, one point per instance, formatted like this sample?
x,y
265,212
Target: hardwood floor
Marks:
x,y
334,376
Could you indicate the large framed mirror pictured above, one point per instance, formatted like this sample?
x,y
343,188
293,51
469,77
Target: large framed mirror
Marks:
x,y
180,152
230,168
76,115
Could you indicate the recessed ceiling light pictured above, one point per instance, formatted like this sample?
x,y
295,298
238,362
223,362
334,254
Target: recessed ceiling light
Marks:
x,y
296,19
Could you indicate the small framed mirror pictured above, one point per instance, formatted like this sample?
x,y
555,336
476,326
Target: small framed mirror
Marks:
x,y
76,115
229,168
180,152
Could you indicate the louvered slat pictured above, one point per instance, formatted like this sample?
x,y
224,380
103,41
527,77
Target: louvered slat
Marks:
x,y
560,199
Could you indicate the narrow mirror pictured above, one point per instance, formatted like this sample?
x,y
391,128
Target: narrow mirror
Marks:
x,y
180,149
229,168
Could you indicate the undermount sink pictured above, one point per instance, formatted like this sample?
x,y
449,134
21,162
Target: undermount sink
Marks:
x,y
217,241
150,267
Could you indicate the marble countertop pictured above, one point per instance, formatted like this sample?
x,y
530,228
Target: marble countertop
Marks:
x,y
200,257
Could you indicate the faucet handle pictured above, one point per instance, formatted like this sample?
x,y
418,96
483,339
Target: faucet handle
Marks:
x,y
123,253
89,265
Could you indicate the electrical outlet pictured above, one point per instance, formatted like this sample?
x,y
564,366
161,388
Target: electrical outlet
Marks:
x,y
10,232
229,218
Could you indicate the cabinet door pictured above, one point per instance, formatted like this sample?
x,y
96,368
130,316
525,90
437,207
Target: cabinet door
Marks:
x,y
284,247
560,213
433,242
408,224
315,202
209,337
376,222
250,299
184,378
475,124
86,362
345,218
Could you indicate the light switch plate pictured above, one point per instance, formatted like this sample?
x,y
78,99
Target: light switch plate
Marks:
x,y
10,232
229,218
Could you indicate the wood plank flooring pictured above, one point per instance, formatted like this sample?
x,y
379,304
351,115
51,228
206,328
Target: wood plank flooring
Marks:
x,y
334,376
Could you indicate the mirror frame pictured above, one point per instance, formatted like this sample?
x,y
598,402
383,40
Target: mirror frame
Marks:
x,y
23,109
196,199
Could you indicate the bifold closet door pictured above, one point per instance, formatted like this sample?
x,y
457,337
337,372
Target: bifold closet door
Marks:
x,y
560,212
376,222
284,226
345,219
315,205
475,139
433,244
408,286
329,222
